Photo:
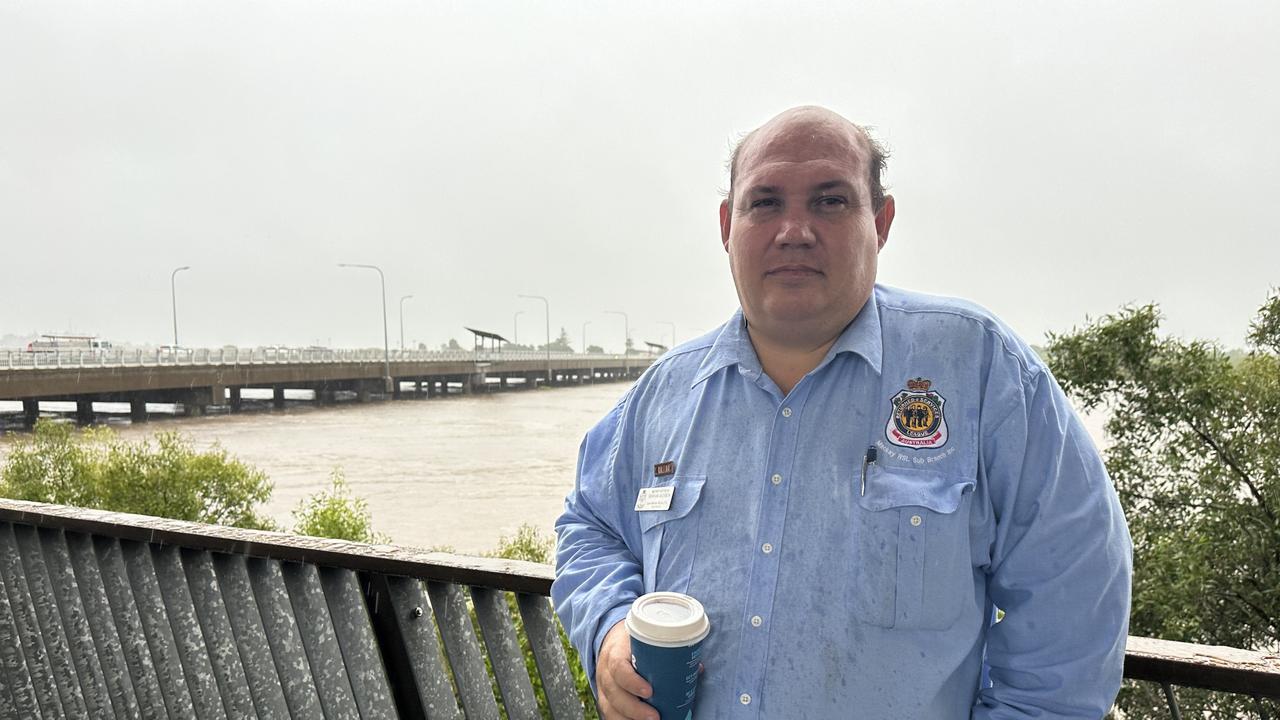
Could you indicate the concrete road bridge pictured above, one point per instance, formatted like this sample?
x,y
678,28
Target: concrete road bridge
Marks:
x,y
199,379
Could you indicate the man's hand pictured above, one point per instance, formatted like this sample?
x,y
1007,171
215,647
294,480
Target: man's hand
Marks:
x,y
619,686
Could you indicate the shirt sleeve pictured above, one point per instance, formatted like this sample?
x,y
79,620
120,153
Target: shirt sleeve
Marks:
x,y
1061,560
598,573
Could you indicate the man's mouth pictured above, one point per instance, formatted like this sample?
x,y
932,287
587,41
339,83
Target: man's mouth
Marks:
x,y
793,271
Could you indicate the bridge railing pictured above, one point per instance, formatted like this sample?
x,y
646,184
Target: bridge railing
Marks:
x,y
18,360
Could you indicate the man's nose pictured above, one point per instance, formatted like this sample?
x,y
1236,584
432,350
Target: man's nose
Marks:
x,y
795,231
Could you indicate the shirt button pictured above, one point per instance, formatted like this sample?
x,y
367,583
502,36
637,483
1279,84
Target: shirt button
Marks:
x,y
745,699
756,621
786,412
766,548
777,479
916,520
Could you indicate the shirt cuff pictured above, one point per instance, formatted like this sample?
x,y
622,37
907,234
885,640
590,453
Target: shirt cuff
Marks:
x,y
611,618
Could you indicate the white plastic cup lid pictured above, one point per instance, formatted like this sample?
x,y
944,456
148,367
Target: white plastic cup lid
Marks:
x,y
668,619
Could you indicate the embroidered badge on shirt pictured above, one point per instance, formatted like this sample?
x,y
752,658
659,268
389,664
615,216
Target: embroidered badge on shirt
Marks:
x,y
917,420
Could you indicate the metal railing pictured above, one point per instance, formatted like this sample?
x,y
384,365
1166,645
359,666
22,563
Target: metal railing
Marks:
x,y
19,360
401,586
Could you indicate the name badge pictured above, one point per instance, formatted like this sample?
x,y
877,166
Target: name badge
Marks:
x,y
655,498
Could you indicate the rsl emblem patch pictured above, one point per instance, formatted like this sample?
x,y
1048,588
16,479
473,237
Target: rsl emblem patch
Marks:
x,y
917,420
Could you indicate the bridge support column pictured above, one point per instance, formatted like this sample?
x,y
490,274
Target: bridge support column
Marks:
x,y
502,382
431,387
30,413
137,410
84,412
237,404
395,388
326,395
277,397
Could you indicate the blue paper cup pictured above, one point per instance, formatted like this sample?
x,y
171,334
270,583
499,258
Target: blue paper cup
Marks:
x,y
667,630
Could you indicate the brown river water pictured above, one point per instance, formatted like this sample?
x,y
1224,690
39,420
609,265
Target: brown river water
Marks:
x,y
461,471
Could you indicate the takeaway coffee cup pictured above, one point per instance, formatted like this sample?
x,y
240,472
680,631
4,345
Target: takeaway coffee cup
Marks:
x,y
667,630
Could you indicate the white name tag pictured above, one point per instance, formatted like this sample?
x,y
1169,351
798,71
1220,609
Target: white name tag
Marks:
x,y
655,498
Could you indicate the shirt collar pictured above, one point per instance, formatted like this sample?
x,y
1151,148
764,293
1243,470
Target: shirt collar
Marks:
x,y
733,345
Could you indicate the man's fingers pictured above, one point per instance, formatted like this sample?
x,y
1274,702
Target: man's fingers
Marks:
x,y
627,679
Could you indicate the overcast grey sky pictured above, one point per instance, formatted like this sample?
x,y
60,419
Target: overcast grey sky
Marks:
x,y
1051,160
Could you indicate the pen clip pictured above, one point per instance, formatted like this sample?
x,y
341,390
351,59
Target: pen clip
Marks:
x,y
867,459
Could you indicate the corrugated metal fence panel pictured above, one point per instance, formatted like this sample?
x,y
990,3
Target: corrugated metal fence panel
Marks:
x,y
159,632
24,617
320,641
98,626
284,638
548,653
133,640
460,645
102,625
250,635
417,633
18,694
224,656
66,593
360,652
504,654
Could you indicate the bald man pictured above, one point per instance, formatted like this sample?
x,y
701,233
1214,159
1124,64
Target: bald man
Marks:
x,y
860,477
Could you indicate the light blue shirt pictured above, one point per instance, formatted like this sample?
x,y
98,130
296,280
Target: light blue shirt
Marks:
x,y
837,595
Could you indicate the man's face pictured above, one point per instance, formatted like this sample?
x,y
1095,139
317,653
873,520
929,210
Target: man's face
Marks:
x,y
801,234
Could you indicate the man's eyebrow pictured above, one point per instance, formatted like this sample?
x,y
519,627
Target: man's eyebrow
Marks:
x,y
832,184
763,190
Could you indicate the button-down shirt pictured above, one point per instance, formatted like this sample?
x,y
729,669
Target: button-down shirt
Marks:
x,y
852,538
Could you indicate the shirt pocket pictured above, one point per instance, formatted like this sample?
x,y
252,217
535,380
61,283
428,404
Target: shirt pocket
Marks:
x,y
912,567
670,537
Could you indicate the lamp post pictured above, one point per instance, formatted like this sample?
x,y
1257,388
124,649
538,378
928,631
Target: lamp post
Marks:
x,y
386,343
626,339
402,299
515,327
584,336
173,294
547,309
673,331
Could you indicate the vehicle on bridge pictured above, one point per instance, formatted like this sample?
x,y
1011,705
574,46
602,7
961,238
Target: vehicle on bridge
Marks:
x,y
59,343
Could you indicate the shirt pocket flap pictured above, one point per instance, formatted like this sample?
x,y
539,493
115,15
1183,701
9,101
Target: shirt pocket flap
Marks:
x,y
892,487
688,489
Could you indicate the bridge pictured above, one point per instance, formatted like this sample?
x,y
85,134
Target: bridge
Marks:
x,y
198,379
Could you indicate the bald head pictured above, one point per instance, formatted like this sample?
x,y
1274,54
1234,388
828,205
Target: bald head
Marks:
x,y
814,121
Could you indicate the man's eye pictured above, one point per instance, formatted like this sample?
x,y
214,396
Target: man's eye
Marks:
x,y
832,201
764,202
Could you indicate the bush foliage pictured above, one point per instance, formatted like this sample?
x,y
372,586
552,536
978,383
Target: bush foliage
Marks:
x,y
1195,457
163,476
335,513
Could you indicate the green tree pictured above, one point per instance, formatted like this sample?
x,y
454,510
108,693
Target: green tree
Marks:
x,y
1195,457
164,476
335,513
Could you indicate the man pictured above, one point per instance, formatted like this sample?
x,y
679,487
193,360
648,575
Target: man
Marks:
x,y
860,476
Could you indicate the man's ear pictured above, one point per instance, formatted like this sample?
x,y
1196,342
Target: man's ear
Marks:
x,y
884,219
725,213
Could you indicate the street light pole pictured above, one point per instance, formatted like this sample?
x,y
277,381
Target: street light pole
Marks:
x,y
547,308
584,336
626,340
386,343
673,331
515,327
406,297
173,293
